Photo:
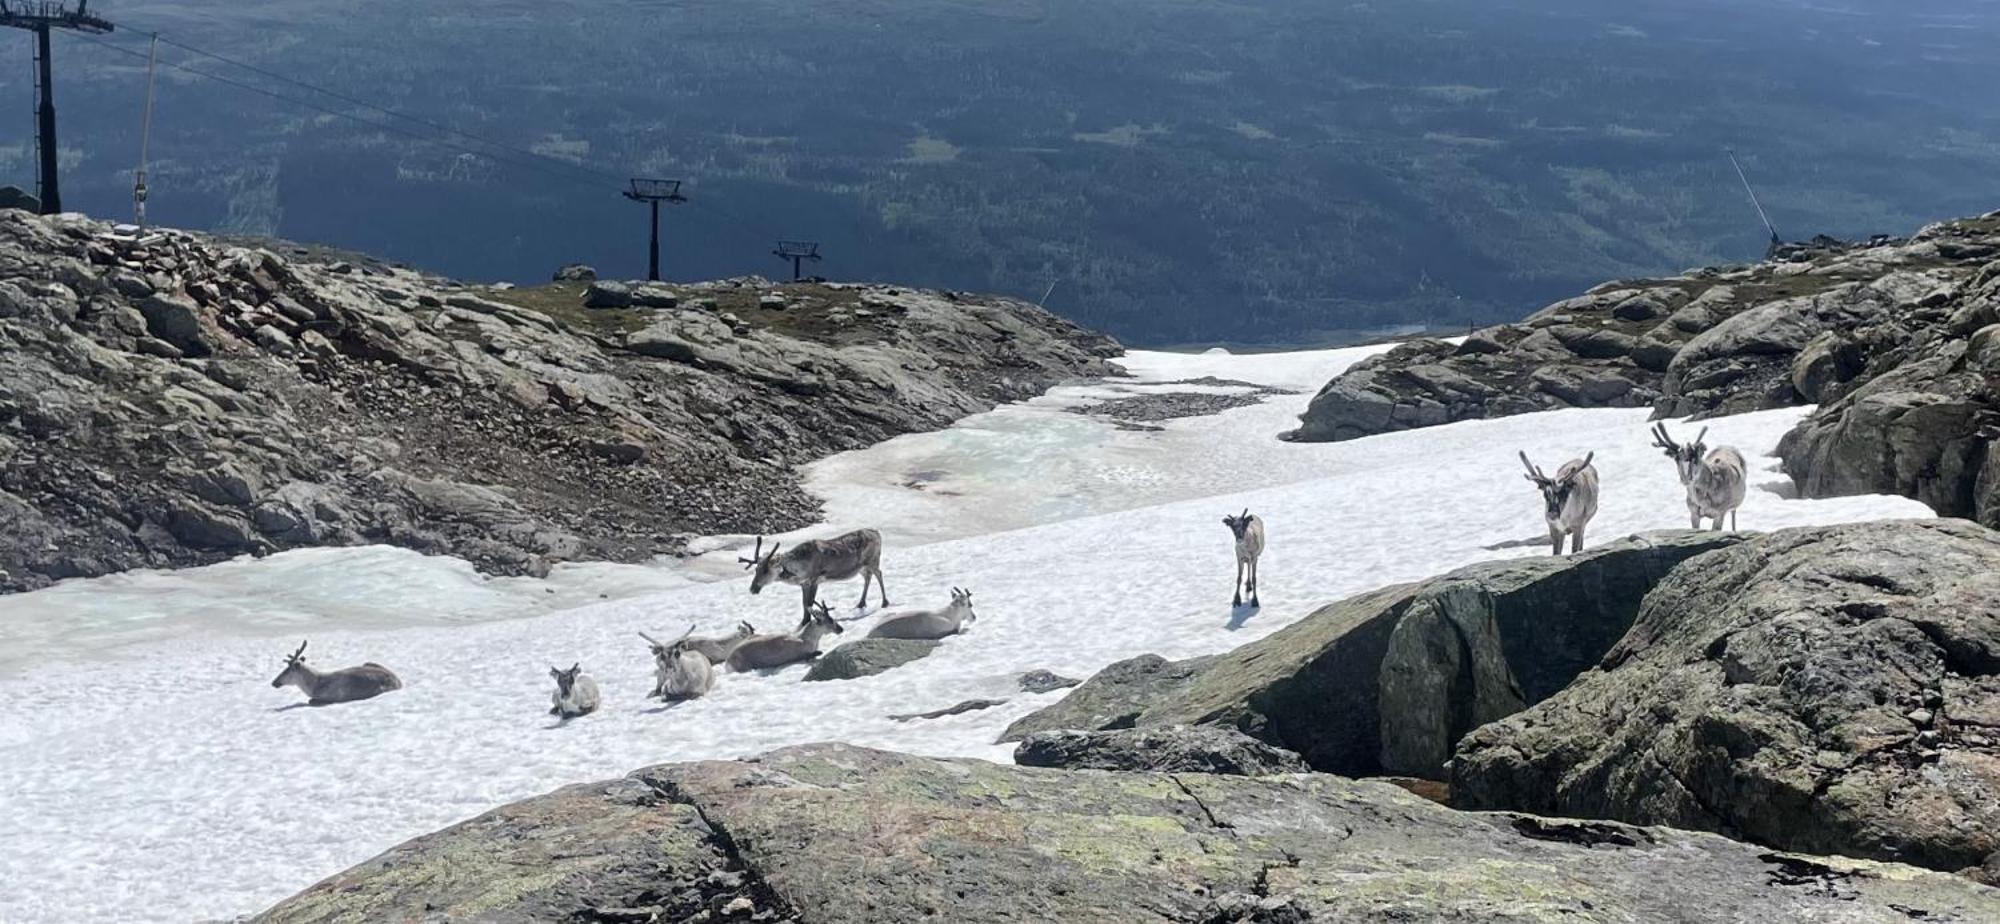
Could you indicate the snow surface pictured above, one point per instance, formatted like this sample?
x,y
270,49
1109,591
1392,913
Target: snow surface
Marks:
x,y
170,782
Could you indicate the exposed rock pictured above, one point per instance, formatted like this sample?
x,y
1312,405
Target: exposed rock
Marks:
x,y
1830,690
1041,681
1703,343
1388,681
575,272
832,834
869,656
605,293
654,296
1172,749
434,416
960,708
1112,698
14,197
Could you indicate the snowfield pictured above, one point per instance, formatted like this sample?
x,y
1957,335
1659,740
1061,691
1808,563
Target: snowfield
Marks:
x,y
165,780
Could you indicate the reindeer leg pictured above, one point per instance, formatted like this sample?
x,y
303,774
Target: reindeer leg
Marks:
x,y
809,592
1253,584
1237,587
866,576
1576,541
1732,520
1555,539
881,586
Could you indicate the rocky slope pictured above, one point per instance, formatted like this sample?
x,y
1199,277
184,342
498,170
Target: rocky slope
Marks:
x,y
1832,690
1892,338
832,834
178,399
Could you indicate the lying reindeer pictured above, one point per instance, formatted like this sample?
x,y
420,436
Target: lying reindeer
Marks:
x,y
929,624
680,671
768,651
576,694
816,560
342,686
1715,479
1249,532
1569,499
716,648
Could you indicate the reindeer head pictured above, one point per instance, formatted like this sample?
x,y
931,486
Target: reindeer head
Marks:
x,y
822,617
744,630
764,564
1237,524
665,652
565,680
963,598
295,670
1687,457
1555,491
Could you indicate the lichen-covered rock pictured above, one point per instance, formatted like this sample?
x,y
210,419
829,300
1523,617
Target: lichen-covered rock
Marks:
x,y
1169,749
832,834
869,656
1829,690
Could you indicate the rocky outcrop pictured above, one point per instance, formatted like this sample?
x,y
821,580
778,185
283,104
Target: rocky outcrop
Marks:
x,y
1388,681
869,656
841,835
1176,749
1113,697
1829,690
1803,327
178,399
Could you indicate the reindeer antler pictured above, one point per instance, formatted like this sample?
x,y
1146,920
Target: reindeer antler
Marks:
x,y
1662,440
755,556
1700,436
298,655
1534,474
651,640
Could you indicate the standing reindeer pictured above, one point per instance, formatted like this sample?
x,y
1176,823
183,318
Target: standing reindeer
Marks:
x,y
1714,479
576,694
680,670
929,624
1249,532
816,560
342,686
767,651
1569,499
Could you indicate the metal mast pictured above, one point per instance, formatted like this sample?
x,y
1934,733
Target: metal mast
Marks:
x,y
40,17
653,192
797,252
1759,206
145,140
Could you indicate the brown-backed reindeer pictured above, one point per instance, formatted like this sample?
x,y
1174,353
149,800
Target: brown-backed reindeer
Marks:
x,y
1715,479
680,671
715,648
576,693
1569,500
1249,532
929,624
816,560
342,686
763,652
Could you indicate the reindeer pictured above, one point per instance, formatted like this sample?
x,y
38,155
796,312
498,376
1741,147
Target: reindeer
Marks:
x,y
342,686
1249,532
929,624
576,694
1714,479
767,651
680,670
816,560
1569,499
716,649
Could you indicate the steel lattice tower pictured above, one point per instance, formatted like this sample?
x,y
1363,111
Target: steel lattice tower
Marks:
x,y
41,18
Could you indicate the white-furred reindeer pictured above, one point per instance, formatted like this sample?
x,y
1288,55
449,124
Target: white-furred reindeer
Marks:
x,y
763,652
576,693
342,686
816,560
679,671
1249,531
929,624
1569,499
1715,479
